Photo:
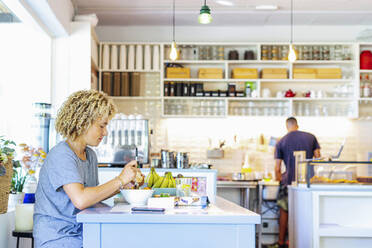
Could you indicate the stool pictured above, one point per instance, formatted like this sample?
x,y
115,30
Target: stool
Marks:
x,y
24,234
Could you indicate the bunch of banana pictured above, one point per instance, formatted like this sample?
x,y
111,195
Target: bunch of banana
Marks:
x,y
152,178
167,181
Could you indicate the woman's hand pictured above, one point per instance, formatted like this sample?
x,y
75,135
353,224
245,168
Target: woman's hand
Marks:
x,y
129,172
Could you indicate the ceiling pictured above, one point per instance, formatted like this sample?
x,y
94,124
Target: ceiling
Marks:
x,y
242,12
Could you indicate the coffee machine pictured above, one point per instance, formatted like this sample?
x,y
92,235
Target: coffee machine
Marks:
x,y
127,139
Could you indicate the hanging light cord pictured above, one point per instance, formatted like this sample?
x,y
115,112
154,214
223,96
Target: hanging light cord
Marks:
x,y
174,20
205,2
291,21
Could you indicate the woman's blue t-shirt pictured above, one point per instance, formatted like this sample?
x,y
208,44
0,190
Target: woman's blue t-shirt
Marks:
x,y
54,214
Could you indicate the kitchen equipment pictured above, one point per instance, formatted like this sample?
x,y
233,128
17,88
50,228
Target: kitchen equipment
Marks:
x,y
106,57
123,57
131,58
233,55
290,93
147,57
40,124
155,58
139,57
182,160
249,55
266,92
167,159
114,57
270,192
366,60
125,136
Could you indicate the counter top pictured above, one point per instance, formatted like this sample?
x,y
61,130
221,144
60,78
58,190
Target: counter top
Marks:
x,y
237,184
223,212
338,187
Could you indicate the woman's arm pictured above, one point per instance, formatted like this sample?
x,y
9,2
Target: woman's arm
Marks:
x,y
83,197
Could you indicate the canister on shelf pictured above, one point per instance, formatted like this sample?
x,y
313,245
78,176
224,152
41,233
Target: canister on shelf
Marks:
x,y
166,89
233,55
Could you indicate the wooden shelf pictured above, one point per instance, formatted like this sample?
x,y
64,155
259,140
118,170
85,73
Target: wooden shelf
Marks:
x,y
135,97
261,80
324,62
117,70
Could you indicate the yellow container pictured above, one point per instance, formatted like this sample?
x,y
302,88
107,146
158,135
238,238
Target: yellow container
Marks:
x,y
244,73
274,73
304,73
210,73
329,73
176,72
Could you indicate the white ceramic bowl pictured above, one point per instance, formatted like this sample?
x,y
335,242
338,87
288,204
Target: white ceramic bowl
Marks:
x,y
137,197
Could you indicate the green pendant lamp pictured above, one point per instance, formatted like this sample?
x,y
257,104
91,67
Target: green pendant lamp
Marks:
x,y
205,14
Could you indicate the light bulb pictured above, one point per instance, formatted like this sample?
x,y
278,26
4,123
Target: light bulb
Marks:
x,y
292,54
205,18
173,52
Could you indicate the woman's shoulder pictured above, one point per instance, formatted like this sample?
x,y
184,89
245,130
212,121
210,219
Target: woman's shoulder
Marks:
x,y
59,149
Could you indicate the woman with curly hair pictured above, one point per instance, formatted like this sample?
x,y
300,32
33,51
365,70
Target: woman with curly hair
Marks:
x,y
68,180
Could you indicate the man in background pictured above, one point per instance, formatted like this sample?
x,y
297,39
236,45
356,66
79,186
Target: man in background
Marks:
x,y
294,140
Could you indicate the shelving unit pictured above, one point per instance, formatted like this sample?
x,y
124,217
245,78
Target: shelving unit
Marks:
x,y
345,90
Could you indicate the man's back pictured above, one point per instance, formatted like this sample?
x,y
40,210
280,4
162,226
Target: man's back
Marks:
x,y
294,141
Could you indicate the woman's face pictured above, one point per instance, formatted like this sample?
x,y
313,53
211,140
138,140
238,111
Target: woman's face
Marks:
x,y
96,132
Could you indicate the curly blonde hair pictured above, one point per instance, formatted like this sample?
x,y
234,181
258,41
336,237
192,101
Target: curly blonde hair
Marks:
x,y
81,110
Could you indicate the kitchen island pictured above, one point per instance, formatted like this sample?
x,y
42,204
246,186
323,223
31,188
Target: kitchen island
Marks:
x,y
223,224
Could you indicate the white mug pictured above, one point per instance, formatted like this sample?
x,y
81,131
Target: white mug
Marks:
x,y
266,92
313,94
279,94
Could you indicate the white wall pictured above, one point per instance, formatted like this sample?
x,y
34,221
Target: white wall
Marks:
x,y
25,76
71,63
238,33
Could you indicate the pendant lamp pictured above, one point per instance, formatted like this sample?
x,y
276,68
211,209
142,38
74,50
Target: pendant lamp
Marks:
x,y
205,14
173,55
292,54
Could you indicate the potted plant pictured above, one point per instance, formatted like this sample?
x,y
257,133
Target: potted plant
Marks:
x,y
16,187
7,149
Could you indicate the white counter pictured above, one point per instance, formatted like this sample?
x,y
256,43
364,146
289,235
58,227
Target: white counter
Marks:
x,y
221,225
329,216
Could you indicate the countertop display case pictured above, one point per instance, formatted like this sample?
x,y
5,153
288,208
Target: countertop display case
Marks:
x,y
334,172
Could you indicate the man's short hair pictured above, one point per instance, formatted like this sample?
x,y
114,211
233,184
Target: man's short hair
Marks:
x,y
291,121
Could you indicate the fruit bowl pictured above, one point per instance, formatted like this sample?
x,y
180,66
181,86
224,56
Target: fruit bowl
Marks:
x,y
137,197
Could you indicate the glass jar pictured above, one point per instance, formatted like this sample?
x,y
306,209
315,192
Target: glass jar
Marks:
x,y
274,52
338,54
346,53
284,52
305,53
325,53
264,52
316,53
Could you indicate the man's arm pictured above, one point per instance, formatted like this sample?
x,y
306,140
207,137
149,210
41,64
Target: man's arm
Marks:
x,y
278,173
